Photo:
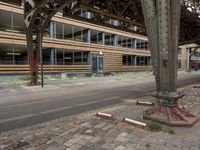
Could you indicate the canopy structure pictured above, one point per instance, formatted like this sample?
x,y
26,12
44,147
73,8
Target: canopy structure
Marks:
x,y
167,23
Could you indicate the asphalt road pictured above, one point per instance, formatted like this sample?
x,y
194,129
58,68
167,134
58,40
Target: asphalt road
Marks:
x,y
26,109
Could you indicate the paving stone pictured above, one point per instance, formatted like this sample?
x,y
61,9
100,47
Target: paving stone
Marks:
x,y
194,148
121,147
89,132
100,125
31,148
86,132
52,148
69,143
3,146
108,146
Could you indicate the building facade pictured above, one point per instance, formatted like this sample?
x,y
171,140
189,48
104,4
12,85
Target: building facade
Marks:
x,y
74,46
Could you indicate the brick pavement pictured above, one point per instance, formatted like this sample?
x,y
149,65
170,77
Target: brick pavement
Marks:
x,y
86,132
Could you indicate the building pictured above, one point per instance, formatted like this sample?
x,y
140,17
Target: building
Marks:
x,y
73,46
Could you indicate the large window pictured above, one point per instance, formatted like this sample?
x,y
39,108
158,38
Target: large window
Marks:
x,y
85,33
76,58
18,23
59,30
143,60
59,55
132,60
13,54
6,21
122,41
94,36
69,58
12,22
107,39
100,37
77,33
143,45
113,40
68,32
129,60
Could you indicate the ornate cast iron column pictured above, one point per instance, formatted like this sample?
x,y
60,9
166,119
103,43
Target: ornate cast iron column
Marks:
x,y
37,15
162,19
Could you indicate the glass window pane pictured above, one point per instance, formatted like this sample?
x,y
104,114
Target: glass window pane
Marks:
x,y
85,34
59,30
13,54
94,36
5,23
18,23
86,58
100,37
68,32
78,34
107,39
78,58
138,44
68,58
59,57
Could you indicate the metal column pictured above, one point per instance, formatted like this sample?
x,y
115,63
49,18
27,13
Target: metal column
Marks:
x,y
162,19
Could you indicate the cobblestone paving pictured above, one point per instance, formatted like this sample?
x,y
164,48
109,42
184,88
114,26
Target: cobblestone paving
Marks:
x,y
86,132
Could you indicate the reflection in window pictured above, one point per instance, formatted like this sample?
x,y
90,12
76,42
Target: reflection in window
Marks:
x,y
78,34
6,22
94,36
113,40
85,35
68,32
100,37
86,58
69,56
128,60
78,58
18,23
130,43
46,56
123,41
107,39
13,54
59,30
132,60
59,57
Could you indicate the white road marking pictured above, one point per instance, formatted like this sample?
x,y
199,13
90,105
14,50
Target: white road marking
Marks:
x,y
87,103
55,110
17,118
107,99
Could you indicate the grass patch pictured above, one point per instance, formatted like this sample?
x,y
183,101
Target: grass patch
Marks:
x,y
154,126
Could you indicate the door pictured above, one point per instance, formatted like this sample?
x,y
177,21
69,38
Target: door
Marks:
x,y
97,63
100,63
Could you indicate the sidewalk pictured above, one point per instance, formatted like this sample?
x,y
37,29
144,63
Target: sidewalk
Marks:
x,y
13,88
87,132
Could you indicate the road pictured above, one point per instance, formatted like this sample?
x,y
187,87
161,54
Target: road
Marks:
x,y
58,100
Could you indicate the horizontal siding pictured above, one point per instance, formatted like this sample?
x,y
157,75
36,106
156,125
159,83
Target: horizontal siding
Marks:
x,y
23,69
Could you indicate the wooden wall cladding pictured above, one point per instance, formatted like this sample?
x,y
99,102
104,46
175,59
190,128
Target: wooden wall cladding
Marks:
x,y
24,69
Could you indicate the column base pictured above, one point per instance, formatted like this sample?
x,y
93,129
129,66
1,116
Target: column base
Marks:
x,y
33,82
171,116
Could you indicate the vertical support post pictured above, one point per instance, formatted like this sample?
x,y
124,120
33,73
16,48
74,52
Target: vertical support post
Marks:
x,y
41,56
162,19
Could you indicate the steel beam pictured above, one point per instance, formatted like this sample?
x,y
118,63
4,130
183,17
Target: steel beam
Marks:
x,y
162,19
37,15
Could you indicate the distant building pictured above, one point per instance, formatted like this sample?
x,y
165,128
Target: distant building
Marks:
x,y
73,46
